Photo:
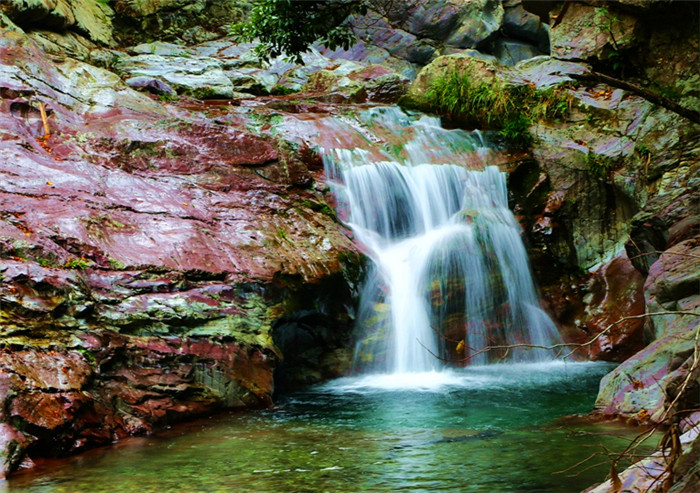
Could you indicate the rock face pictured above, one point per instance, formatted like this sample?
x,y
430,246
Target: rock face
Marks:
x,y
586,32
609,202
158,259
418,31
183,21
89,17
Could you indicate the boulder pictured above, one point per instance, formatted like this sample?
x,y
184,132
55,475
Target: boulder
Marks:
x,y
478,21
90,17
588,33
379,32
434,19
642,387
199,77
522,25
12,445
615,291
151,85
511,52
673,284
374,83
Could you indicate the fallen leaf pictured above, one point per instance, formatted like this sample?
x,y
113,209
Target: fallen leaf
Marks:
x,y
615,479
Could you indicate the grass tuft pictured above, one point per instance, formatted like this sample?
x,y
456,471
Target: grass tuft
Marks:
x,y
494,105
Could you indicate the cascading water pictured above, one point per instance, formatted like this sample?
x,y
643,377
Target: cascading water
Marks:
x,y
450,273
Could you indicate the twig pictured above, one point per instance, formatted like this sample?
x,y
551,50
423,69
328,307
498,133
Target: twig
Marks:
x,y
44,120
575,346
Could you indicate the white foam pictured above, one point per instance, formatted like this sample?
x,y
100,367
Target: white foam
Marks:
x,y
498,376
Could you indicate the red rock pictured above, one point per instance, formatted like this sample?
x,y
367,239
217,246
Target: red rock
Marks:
x,y
48,411
48,369
12,445
617,292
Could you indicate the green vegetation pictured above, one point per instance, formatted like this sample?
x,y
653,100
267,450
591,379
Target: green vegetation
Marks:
x,y
47,262
642,149
517,131
599,166
78,263
282,91
101,225
89,357
290,28
607,22
495,105
168,98
282,234
258,121
116,264
321,207
669,92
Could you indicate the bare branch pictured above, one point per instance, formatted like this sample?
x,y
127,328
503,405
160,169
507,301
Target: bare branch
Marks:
x,y
564,345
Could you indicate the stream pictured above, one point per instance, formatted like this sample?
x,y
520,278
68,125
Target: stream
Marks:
x,y
480,429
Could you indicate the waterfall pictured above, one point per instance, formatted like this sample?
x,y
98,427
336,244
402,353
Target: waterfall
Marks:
x,y
450,274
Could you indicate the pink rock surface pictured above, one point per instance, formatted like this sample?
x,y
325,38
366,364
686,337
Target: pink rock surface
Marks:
x,y
145,251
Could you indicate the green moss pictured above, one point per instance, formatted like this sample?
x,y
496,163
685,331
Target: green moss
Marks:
x,y
89,357
258,121
78,263
642,149
48,262
168,98
116,264
599,166
99,225
282,91
25,251
321,207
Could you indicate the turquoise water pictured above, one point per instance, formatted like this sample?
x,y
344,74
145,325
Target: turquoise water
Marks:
x,y
488,429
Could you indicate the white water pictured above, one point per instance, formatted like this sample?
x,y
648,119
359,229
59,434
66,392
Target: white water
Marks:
x,y
450,273
486,377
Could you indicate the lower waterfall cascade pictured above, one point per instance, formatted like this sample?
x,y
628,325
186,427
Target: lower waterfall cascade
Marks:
x,y
450,273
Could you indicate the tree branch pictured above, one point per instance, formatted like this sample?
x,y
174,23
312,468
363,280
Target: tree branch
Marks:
x,y
652,97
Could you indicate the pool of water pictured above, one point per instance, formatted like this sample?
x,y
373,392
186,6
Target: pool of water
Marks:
x,y
485,429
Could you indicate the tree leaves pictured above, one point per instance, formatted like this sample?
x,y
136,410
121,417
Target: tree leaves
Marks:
x,y
290,28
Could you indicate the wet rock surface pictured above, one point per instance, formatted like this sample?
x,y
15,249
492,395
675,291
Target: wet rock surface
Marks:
x,y
608,201
155,254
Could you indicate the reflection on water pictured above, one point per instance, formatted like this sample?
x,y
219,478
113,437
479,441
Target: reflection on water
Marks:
x,y
486,429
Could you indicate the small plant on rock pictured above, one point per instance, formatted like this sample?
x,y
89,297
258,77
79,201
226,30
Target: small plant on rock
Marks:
x,y
599,166
78,263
